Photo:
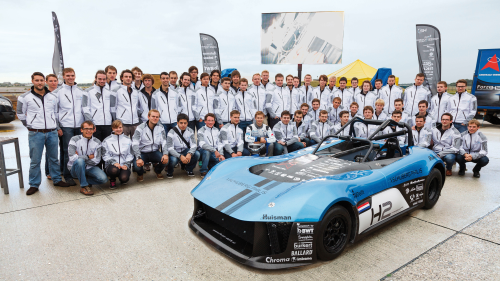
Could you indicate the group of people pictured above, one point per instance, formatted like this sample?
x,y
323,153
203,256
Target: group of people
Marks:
x,y
112,129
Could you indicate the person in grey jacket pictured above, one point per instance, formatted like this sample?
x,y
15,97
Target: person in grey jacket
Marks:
x,y
117,155
287,138
182,147
474,149
447,141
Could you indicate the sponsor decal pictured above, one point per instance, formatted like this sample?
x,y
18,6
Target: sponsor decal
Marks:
x,y
281,260
305,229
270,205
223,236
302,245
420,187
382,213
302,253
492,63
406,175
279,218
305,237
364,207
357,193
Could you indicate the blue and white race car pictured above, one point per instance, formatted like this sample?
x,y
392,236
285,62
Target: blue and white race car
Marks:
x,y
290,210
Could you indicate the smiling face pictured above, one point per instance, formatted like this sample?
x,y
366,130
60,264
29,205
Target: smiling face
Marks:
x,y
336,104
259,120
304,110
137,75
87,130
315,105
154,117
38,82
265,76
297,117
256,80
323,118
101,80
243,86
173,79
185,81
285,119
69,78
289,81
279,81
210,121
473,128
164,80
118,130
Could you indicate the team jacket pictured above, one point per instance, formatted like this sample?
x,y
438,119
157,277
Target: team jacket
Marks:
x,y
113,85
358,114
413,95
325,97
194,87
72,100
463,107
302,130
287,133
117,149
176,145
259,94
138,88
245,103
313,115
319,130
354,92
447,142
84,147
364,130
365,99
382,116
168,104
214,88
422,138
231,136
389,94
298,98
188,99
226,99
346,97
278,100
146,140
128,105
390,129
146,103
308,94
36,111
333,113
344,132
254,133
474,144
430,123
99,104
377,92
173,87
206,101
209,139
439,105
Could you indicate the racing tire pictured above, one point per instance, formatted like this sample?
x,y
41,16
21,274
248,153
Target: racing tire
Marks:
x,y
433,188
334,233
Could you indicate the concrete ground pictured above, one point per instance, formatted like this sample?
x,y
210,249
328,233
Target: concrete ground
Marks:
x,y
140,231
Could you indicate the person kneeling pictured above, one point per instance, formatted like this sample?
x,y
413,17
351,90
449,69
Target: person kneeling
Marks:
x,y
84,153
117,155
182,147
231,136
260,134
209,145
474,149
148,138
286,135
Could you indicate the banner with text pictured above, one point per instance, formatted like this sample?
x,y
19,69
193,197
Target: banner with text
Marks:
x,y
486,86
209,53
57,58
429,54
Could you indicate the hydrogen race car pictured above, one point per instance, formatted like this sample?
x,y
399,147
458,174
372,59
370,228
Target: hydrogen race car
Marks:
x,y
290,210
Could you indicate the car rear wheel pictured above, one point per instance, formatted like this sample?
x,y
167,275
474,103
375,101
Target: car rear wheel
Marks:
x,y
334,233
433,188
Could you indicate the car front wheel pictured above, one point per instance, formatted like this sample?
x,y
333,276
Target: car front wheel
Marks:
x,y
334,233
433,188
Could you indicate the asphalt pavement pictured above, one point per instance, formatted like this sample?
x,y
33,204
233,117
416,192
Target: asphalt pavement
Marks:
x,y
140,231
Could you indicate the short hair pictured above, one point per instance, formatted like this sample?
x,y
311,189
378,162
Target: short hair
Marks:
x,y
475,122
88,122
315,100
182,116
420,116
184,74
279,75
333,76
285,112
462,81
110,67
97,73
304,104
225,79
259,113
210,115
397,112
343,79
265,71
214,71
148,76
135,68
190,69
161,74
307,75
343,112
379,80
256,74
423,102
116,124
355,104
323,112
172,72
235,73
366,82
234,112
391,76
244,80
126,71
354,79
295,77
289,75
68,70
447,114
323,77
53,75
368,107
443,83
380,101
337,98
298,112
153,111
398,100
420,75
203,75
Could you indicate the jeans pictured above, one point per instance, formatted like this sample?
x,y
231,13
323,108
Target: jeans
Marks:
x,y
168,127
308,141
192,125
150,157
189,167
113,172
93,175
102,132
200,124
244,124
449,159
461,128
207,159
481,162
312,142
68,133
245,152
279,149
37,141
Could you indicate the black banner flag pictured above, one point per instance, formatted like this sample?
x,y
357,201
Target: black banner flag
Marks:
x,y
209,53
57,59
429,54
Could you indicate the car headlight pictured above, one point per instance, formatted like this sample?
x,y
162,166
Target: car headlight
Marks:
x,y
5,102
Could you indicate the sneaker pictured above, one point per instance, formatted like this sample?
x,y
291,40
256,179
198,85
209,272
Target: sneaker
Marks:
x,y
169,176
112,185
49,177
448,172
32,190
476,175
63,184
86,190
461,172
159,176
190,174
176,166
140,178
71,182
200,163
203,175
147,167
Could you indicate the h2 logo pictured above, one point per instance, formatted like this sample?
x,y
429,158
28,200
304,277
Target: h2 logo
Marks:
x,y
382,214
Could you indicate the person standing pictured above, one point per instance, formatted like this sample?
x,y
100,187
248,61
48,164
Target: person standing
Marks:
x,y
259,93
215,80
268,86
187,97
52,84
298,97
321,128
232,138
117,155
277,101
146,95
287,138
335,109
422,110
474,149
332,82
439,102
209,145
84,155
390,93
415,93
98,108
422,136
226,99
128,107
366,96
322,93
235,80
447,141
37,110
346,97
137,83
166,100
206,101
355,90
245,104
111,74
172,76
378,88
307,89
182,147
462,106
194,83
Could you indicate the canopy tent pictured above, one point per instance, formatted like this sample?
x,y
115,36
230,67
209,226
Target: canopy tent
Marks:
x,y
227,72
383,74
357,69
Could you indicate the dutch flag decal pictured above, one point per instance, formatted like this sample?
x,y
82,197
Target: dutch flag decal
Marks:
x,y
363,207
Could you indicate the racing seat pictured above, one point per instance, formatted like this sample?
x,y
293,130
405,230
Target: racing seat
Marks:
x,y
389,149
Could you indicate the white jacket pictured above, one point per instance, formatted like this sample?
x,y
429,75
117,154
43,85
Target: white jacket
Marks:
x,y
302,130
298,98
313,115
38,112
72,100
138,88
84,147
231,136
346,96
227,105
389,94
439,105
383,116
308,94
209,139
474,144
146,140
364,100
168,104
145,103
344,132
320,130
333,113
422,138
254,133
196,86
462,107
430,123
287,133
364,130
447,142
278,101
259,93
354,92
117,149
246,104
114,85
128,106
99,103
188,99
175,144
377,92
413,95
325,97
206,102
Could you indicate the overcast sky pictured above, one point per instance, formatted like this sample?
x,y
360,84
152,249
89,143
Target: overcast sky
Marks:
x,y
164,35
